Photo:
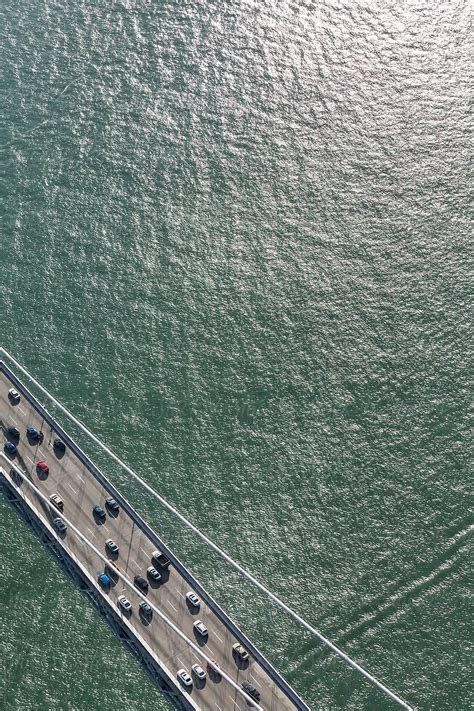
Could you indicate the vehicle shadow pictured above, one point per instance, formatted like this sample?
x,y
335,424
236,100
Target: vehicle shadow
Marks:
x,y
125,613
198,683
113,555
214,675
58,453
16,477
42,475
111,512
193,609
241,663
202,640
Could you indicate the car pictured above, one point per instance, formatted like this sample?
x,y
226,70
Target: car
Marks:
x,y
42,467
160,559
124,603
199,671
112,505
146,610
240,651
57,501
111,546
99,513
251,691
201,628
59,446
141,583
193,599
10,448
153,574
14,396
184,677
59,525
103,580
32,433
13,432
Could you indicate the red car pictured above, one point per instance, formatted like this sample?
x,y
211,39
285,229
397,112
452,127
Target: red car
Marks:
x,y
42,467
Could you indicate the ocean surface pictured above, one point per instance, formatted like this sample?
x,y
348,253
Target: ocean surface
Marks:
x,y
234,242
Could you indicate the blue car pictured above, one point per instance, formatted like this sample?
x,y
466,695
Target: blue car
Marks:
x,y
32,433
104,580
10,448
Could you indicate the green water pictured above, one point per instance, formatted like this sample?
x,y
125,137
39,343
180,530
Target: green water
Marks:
x,y
234,242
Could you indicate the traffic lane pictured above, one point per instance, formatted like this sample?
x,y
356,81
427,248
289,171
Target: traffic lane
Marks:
x,y
30,417
100,534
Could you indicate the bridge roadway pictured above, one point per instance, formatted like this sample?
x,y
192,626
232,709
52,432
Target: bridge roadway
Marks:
x,y
80,491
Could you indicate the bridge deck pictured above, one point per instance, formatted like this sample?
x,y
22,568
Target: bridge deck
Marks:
x,y
81,487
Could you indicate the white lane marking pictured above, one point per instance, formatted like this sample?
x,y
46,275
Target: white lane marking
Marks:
x,y
179,660
218,707
43,455
213,654
170,603
90,532
29,458
71,487
145,553
220,640
233,701
254,680
11,418
22,410
180,594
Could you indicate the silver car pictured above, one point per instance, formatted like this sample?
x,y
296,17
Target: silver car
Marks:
x,y
124,603
201,628
198,671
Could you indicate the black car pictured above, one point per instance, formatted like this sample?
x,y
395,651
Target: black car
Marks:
x,y
99,513
251,691
59,446
59,525
146,610
13,433
141,583
112,505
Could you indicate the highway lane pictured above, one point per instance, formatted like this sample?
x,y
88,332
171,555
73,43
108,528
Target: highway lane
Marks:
x,y
80,491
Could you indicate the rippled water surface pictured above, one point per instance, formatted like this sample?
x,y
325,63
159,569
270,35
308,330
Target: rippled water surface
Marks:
x,y
235,243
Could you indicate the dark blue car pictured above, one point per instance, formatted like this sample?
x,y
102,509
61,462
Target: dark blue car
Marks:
x,y
32,433
10,449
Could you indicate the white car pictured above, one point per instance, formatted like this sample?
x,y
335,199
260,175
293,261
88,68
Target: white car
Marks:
x,y
184,677
124,603
201,628
199,671
193,599
14,395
